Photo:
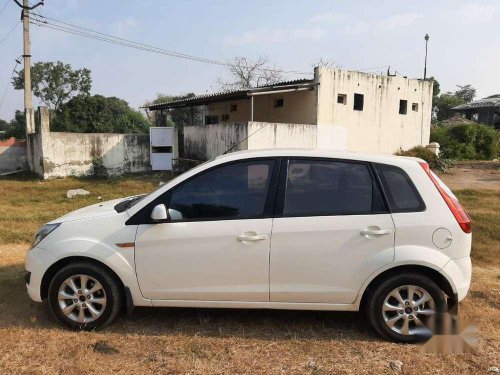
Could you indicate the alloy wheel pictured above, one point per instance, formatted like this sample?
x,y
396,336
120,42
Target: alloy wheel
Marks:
x,y
82,298
407,310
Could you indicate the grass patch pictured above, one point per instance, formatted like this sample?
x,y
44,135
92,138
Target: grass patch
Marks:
x,y
482,206
28,203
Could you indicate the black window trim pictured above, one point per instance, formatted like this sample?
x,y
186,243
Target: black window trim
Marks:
x,y
143,216
280,200
422,207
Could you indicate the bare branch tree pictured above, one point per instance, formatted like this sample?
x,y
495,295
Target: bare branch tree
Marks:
x,y
325,63
244,74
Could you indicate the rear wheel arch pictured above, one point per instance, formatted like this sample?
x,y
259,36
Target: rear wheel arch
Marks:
x,y
433,274
53,269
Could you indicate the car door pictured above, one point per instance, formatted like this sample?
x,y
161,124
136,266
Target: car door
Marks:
x,y
331,233
216,245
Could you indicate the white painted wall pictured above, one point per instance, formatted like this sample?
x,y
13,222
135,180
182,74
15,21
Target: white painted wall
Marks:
x,y
379,128
205,142
209,141
266,135
58,154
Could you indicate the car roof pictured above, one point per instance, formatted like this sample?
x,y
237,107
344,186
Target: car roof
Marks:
x,y
316,152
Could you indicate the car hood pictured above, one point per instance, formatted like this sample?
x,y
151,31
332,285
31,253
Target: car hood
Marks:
x,y
96,210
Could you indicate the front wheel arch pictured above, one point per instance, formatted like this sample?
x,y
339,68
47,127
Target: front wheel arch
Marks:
x,y
53,269
434,275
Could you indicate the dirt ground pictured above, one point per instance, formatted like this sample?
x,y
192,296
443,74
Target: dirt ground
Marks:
x,y
204,341
474,175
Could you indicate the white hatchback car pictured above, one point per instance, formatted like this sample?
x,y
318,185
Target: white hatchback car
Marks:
x,y
274,229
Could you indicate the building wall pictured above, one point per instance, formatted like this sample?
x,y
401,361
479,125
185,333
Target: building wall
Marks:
x,y
278,135
66,154
205,142
299,108
209,141
12,155
57,154
378,128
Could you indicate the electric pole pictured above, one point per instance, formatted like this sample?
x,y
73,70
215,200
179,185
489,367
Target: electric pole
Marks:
x,y
25,16
26,56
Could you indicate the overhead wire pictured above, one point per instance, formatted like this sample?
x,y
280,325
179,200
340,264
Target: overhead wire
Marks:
x,y
10,32
44,21
18,61
5,6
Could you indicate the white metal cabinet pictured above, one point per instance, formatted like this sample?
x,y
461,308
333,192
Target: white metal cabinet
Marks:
x,y
161,148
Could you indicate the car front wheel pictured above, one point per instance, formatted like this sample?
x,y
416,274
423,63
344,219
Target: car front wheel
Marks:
x,y
84,296
402,308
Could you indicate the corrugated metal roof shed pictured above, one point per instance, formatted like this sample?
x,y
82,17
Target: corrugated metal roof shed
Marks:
x,y
492,101
229,95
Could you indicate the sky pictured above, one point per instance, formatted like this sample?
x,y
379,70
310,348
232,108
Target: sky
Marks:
x,y
464,45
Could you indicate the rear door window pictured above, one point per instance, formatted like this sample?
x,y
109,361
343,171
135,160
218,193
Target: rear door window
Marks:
x,y
402,195
323,188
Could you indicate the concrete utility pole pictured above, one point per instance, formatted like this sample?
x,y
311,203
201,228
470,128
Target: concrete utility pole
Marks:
x,y
25,15
27,57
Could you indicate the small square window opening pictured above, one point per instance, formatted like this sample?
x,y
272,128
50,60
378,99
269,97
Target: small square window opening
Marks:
x,y
279,103
342,99
414,107
233,108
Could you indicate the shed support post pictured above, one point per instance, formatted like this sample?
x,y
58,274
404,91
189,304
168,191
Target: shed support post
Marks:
x,y
251,108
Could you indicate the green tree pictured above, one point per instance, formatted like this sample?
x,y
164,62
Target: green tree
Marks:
x,y
466,92
176,116
444,104
55,82
16,127
3,125
436,87
99,114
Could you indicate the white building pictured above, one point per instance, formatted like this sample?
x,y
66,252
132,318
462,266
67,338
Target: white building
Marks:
x,y
337,109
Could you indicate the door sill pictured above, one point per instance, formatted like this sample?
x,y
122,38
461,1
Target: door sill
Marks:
x,y
256,305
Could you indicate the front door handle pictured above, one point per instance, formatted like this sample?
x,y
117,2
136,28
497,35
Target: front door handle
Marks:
x,y
252,236
374,231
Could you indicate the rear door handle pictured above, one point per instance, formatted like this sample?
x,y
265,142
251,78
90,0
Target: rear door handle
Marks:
x,y
252,237
375,232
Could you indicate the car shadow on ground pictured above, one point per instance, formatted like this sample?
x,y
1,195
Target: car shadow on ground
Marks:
x,y
17,310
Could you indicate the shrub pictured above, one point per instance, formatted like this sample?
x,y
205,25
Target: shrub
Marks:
x,y
467,141
427,155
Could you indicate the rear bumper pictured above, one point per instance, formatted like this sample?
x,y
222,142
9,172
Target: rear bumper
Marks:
x,y
459,273
36,264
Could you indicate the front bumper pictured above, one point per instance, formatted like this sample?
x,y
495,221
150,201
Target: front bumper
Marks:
x,y
459,272
37,263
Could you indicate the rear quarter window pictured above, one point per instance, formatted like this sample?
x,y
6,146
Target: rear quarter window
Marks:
x,y
402,195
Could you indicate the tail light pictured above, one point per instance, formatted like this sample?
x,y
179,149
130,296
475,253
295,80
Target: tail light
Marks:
x,y
456,208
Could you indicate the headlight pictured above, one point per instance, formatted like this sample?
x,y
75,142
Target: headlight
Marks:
x,y
43,232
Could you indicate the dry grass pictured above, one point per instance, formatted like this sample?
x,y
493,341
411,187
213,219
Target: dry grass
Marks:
x,y
201,341
27,203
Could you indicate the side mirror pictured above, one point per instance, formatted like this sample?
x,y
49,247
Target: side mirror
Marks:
x,y
159,213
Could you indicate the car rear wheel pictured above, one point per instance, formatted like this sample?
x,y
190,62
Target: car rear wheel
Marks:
x,y
402,307
84,296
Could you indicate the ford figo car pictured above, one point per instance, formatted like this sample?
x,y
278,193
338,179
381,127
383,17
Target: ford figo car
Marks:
x,y
273,229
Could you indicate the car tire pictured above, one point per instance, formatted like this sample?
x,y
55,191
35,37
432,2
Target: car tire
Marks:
x,y
85,307
395,319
